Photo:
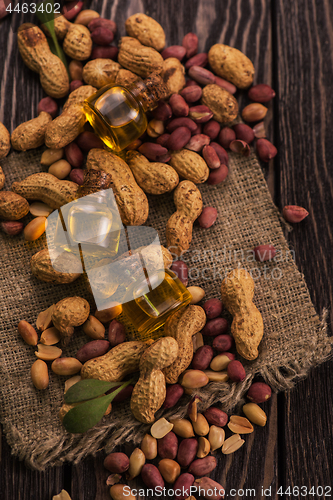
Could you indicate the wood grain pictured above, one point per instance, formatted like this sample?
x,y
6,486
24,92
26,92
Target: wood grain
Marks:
x,y
304,72
291,45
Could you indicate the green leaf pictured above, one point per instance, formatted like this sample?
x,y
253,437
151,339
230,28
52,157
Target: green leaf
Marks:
x,y
86,415
57,50
88,389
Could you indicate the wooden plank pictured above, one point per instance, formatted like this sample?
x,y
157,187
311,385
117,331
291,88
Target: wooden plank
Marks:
x,y
20,483
304,43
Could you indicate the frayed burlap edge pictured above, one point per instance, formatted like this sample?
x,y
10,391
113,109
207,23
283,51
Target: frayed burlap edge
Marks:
x,y
111,433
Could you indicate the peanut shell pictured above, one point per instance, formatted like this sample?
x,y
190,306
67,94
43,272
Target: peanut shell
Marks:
x,y
220,102
4,141
131,200
148,31
31,134
189,165
152,177
78,43
173,74
115,364
42,268
231,64
37,55
12,206
100,72
138,58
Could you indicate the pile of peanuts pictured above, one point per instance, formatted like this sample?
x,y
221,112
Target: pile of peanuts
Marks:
x,y
184,449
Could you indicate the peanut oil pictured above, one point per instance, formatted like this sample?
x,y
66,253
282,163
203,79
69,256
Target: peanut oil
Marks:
x,y
116,116
148,311
117,113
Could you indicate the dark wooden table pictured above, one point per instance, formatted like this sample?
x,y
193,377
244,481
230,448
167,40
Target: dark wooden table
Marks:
x,y
291,45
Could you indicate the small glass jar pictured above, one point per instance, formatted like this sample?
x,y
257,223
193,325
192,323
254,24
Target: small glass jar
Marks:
x,y
118,113
91,223
149,300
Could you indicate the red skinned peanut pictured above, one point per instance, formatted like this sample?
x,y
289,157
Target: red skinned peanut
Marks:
x,y
48,105
207,217
182,486
221,153
192,93
259,392
215,416
162,111
167,447
213,308
294,213
181,122
177,51
226,136
77,175
104,53
212,129
101,22
236,371
71,10
218,175
178,138
211,157
202,357
261,93
173,394
74,155
266,150
102,36
178,105
262,253
187,451
198,60
223,342
151,476
214,327
225,85
181,270
244,132
190,42
88,140
116,333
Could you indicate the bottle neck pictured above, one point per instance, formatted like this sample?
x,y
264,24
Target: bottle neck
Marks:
x,y
149,91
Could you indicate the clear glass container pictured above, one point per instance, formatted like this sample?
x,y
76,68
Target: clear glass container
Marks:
x,y
118,113
149,301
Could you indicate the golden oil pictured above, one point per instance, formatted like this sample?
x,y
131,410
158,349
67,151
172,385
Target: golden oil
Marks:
x,y
148,307
117,113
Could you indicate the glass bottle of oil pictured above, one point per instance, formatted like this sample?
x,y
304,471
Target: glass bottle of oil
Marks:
x,y
92,222
117,113
150,298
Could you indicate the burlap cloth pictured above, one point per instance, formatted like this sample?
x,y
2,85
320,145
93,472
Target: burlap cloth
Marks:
x,y
295,339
